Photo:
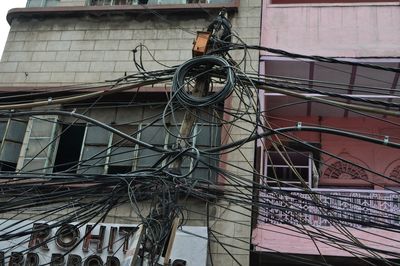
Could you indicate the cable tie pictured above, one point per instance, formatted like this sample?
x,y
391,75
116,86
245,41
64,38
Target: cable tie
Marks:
x,y
299,125
386,140
49,100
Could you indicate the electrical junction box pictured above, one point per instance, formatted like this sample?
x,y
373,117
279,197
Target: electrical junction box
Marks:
x,y
201,43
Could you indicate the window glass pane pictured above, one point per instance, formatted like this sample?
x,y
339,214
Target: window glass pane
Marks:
x,y
130,130
38,148
100,2
16,131
52,2
37,165
93,160
3,125
172,2
154,135
42,127
208,135
10,152
122,2
205,170
34,3
97,136
122,156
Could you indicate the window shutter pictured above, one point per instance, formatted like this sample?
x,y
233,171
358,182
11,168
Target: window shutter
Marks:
x,y
13,136
38,154
123,152
94,151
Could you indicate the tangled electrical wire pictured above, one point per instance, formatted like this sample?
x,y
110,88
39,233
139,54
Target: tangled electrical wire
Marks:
x,y
138,166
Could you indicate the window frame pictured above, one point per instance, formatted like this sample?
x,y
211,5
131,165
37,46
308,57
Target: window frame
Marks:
x,y
5,138
52,148
136,149
282,182
43,3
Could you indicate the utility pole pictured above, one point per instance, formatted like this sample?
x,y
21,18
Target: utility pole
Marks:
x,y
163,212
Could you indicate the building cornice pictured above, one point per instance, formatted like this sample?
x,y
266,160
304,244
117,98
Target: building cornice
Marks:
x,y
74,11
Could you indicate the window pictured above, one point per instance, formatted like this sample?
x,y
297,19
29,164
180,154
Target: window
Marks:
x,y
105,152
37,154
11,135
51,146
122,151
42,3
94,150
284,168
110,2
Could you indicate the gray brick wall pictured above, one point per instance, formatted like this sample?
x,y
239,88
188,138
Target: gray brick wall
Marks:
x,y
59,51
106,43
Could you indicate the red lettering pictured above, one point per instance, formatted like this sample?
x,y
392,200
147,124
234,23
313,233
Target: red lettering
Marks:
x,y
16,259
67,236
32,259
127,232
57,260
111,239
93,260
74,260
40,233
91,238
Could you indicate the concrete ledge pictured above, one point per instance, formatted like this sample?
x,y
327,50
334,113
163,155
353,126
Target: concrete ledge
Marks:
x,y
74,11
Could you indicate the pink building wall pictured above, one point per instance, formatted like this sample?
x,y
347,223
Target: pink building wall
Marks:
x,y
284,238
380,158
348,30
337,30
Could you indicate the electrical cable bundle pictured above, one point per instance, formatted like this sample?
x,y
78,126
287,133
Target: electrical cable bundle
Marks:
x,y
198,68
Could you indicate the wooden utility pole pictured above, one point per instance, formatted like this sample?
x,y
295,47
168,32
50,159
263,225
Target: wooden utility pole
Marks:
x,y
200,89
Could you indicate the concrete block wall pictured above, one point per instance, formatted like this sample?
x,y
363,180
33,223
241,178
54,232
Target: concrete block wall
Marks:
x,y
60,51
86,49
57,51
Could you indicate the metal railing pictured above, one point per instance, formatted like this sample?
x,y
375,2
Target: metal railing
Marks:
x,y
323,207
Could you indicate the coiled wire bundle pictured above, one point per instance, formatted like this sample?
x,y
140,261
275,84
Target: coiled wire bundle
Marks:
x,y
202,67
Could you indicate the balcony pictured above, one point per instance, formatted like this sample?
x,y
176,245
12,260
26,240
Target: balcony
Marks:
x,y
326,222
324,207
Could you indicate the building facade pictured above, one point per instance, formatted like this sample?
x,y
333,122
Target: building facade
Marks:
x,y
65,48
345,173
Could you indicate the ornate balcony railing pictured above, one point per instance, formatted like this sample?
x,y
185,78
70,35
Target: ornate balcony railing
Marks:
x,y
325,207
